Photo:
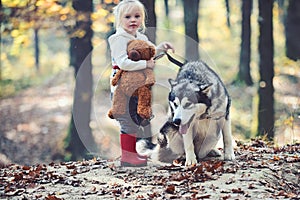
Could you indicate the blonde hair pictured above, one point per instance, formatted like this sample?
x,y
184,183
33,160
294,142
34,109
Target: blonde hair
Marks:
x,y
126,6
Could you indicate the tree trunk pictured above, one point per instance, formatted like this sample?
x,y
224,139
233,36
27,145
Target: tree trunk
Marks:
x,y
266,70
245,54
281,10
151,19
227,13
36,49
191,9
166,2
0,43
292,30
80,141
151,34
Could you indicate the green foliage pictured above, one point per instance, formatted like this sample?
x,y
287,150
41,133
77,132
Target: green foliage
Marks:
x,y
103,17
20,16
19,72
10,87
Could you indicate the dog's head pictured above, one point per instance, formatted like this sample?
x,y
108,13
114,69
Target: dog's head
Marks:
x,y
188,100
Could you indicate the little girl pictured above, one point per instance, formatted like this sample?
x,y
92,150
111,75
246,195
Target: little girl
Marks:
x,y
130,24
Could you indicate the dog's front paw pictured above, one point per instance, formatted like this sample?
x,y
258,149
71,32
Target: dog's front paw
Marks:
x,y
229,155
190,160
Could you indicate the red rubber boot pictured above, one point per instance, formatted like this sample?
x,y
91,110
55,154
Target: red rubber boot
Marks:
x,y
130,157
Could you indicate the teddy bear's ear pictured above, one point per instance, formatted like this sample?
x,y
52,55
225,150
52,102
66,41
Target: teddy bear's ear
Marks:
x,y
129,42
134,55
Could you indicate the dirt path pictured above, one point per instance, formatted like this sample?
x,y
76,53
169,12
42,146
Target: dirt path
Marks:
x,y
261,171
33,123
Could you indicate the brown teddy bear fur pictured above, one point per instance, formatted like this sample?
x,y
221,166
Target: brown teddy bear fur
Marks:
x,y
134,83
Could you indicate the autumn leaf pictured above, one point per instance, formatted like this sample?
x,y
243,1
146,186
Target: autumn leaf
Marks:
x,y
52,197
170,189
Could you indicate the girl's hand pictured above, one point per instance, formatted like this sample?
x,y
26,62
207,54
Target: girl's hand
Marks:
x,y
165,46
150,63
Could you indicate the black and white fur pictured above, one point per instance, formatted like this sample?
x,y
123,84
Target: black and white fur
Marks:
x,y
200,112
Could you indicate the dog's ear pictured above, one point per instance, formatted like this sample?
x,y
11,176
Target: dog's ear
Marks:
x,y
205,88
172,82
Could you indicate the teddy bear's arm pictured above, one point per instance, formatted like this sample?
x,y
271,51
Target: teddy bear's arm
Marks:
x,y
150,77
118,105
116,78
144,102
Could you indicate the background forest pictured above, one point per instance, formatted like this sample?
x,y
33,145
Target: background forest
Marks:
x,y
54,53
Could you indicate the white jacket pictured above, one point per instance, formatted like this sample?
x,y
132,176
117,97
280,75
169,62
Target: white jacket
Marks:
x,y
118,45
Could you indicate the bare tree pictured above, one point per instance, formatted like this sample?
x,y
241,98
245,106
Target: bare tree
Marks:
x,y
80,140
191,10
244,74
146,133
266,69
0,41
36,49
292,30
166,2
151,19
227,13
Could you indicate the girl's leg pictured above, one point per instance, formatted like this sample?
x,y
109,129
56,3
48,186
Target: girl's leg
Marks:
x,y
130,157
144,129
144,132
133,101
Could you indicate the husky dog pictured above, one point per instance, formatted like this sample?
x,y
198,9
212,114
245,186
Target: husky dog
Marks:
x,y
199,105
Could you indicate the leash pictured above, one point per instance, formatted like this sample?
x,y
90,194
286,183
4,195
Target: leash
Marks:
x,y
176,62
171,59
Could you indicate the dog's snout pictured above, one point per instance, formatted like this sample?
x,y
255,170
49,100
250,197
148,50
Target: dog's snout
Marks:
x,y
177,121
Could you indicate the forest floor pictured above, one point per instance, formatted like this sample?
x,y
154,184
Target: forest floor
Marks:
x,y
33,126
261,171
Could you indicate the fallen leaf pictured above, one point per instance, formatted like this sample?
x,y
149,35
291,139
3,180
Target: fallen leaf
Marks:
x,y
238,190
170,189
251,186
52,197
230,181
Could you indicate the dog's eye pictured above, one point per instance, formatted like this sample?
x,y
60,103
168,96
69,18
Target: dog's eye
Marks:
x,y
188,105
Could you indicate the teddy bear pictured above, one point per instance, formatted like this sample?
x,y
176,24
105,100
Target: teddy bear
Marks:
x,y
134,83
